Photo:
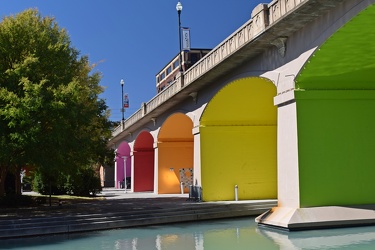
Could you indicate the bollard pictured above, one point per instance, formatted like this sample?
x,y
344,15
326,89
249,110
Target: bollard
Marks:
x,y
236,192
199,193
182,188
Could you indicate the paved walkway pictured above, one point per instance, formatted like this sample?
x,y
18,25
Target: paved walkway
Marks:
x,y
114,193
116,208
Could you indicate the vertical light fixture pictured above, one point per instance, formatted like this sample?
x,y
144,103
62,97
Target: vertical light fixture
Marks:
x,y
122,103
179,9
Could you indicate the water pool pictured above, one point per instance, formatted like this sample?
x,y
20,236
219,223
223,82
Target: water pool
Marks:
x,y
233,234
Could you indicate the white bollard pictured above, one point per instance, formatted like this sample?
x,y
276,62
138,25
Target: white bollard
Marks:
x,y
236,192
182,188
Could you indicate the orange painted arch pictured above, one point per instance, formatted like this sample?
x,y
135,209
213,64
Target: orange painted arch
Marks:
x,y
175,151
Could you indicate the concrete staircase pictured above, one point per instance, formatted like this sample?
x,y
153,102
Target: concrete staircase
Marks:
x,y
15,226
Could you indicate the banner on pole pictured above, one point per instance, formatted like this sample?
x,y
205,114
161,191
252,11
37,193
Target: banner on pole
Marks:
x,y
185,39
126,101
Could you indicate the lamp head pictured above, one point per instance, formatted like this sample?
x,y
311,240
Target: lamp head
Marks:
x,y
179,6
122,82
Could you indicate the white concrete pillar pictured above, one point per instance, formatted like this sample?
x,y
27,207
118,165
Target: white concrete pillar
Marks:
x,y
287,153
115,177
156,168
132,171
197,157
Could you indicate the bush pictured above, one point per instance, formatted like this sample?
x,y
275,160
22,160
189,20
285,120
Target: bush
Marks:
x,y
84,183
41,184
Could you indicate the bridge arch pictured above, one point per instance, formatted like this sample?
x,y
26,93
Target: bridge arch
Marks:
x,y
122,151
335,99
143,154
238,131
175,151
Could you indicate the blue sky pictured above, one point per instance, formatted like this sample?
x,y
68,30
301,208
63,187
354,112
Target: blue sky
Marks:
x,y
134,39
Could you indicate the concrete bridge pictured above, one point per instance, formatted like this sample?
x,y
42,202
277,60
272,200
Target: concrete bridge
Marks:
x,y
284,108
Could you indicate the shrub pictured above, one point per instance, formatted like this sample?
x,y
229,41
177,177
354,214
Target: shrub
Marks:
x,y
43,184
84,182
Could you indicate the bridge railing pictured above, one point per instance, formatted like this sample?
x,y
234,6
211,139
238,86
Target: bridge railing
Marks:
x,y
235,41
262,17
160,98
278,8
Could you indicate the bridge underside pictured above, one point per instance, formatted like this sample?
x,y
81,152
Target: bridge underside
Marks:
x,y
335,105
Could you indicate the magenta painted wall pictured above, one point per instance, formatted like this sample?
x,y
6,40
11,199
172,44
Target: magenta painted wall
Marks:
x,y
123,150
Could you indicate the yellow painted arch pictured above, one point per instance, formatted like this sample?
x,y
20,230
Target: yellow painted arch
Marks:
x,y
238,142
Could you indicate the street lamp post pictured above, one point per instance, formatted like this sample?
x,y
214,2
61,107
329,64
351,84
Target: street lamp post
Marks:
x,y
122,103
179,9
125,184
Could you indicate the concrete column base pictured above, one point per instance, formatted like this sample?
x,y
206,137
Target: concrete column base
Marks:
x,y
317,217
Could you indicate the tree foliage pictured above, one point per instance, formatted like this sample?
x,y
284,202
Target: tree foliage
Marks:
x,y
51,116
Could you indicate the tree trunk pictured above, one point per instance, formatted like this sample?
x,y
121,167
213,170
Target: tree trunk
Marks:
x,y
96,167
50,193
3,174
17,181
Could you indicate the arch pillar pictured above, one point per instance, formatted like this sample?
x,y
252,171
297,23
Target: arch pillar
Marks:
x,y
287,151
115,175
156,168
132,170
197,157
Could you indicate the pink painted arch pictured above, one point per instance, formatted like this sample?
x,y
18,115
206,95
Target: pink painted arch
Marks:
x,y
123,159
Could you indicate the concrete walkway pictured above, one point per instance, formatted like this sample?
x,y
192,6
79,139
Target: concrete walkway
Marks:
x,y
114,193
117,209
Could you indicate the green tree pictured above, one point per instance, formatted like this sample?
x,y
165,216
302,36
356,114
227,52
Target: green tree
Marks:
x,y
51,116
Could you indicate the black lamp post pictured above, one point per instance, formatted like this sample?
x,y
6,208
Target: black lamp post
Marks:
x,y
179,9
122,102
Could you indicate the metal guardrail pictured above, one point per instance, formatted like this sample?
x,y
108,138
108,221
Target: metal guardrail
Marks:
x,y
263,16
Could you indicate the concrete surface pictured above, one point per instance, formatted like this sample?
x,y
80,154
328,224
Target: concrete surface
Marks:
x,y
116,209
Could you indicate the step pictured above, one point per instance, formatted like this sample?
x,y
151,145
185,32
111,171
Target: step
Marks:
x,y
91,222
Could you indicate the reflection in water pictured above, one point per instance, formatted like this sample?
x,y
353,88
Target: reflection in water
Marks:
x,y
234,234
349,238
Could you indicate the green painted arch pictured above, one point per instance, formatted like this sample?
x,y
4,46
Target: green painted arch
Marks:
x,y
335,102
346,60
238,142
